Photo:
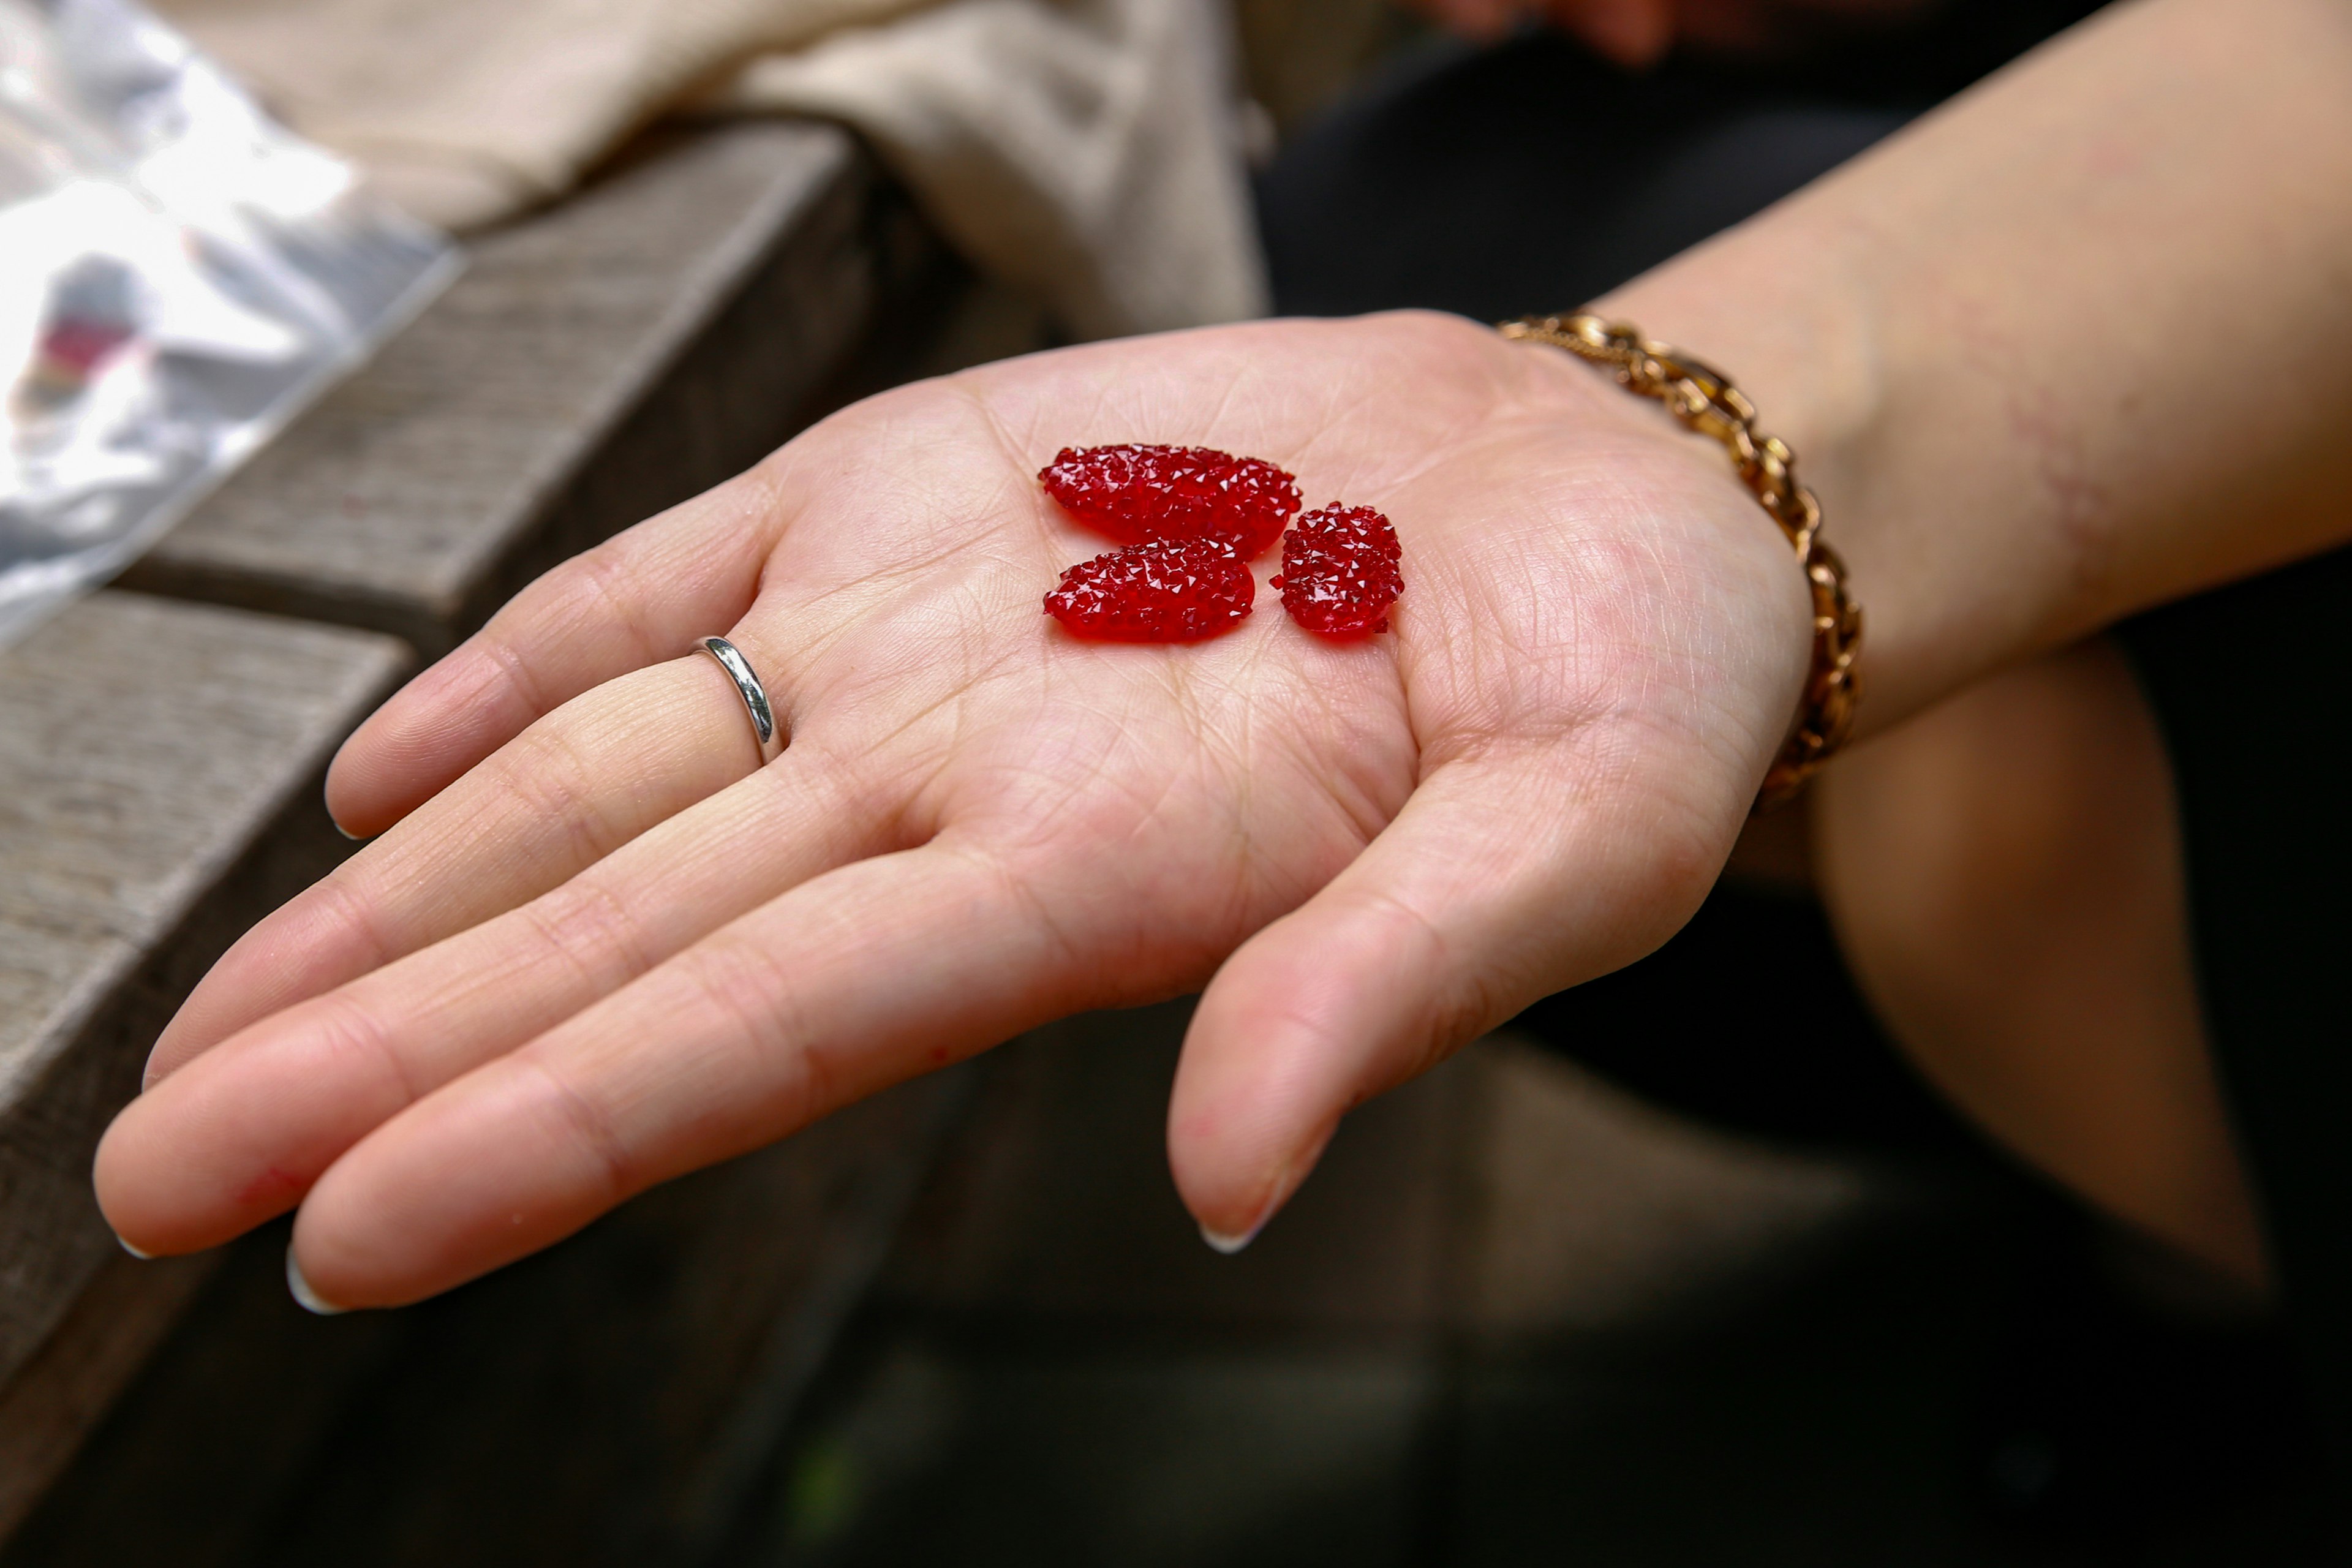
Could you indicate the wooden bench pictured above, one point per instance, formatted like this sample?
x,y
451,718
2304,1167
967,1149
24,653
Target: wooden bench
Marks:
x,y
162,745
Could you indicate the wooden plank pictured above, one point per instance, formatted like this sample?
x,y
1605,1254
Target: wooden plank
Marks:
x,y
250,1385
602,1404
594,364
159,767
158,774
64,1391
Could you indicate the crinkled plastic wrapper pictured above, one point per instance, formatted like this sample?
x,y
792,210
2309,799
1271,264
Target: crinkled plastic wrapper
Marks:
x,y
178,276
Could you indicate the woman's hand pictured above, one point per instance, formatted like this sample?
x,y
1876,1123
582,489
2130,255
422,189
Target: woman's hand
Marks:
x,y
596,946
1637,34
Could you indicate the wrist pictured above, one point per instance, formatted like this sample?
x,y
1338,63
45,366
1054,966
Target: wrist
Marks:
x,y
1802,346
1790,317
1704,400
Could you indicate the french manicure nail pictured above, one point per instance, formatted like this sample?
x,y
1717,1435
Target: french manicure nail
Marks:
x,y
339,827
143,1256
1229,1245
1294,1173
309,1299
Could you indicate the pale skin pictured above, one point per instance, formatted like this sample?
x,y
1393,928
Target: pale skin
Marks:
x,y
593,946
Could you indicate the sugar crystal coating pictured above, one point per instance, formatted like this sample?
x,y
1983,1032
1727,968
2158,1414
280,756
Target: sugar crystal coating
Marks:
x,y
1135,493
1340,571
1164,590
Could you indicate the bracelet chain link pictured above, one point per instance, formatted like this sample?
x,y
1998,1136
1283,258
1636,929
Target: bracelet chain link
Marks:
x,y
1704,399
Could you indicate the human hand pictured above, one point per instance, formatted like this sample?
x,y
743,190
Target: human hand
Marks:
x,y
596,946
1636,34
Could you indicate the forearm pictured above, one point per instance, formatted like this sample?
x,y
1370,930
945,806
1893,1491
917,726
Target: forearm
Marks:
x,y
2072,346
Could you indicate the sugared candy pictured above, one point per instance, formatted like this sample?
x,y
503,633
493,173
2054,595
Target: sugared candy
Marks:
x,y
1340,571
1135,493
1164,590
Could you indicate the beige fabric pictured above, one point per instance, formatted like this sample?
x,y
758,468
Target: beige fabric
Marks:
x,y
1080,148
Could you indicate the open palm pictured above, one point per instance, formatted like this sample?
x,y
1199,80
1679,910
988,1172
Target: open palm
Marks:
x,y
596,945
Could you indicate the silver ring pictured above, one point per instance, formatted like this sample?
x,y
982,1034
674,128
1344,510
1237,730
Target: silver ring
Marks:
x,y
754,695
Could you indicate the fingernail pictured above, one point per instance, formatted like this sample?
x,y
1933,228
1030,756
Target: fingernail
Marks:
x,y
1285,1185
143,1256
1229,1245
309,1299
337,821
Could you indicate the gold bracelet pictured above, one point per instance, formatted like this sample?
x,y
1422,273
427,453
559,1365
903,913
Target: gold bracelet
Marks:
x,y
1704,400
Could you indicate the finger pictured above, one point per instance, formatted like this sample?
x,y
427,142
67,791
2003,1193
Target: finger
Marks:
x,y
568,791
1634,34
1496,884
639,598
1482,21
866,975
238,1136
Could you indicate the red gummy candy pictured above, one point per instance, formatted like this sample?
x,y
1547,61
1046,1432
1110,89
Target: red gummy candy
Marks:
x,y
1340,571
1136,493
1164,590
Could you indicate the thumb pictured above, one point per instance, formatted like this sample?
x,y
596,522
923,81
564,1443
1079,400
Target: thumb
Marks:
x,y
1497,884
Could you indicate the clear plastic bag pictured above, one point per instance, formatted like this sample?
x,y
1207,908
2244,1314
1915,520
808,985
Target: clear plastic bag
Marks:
x,y
178,275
